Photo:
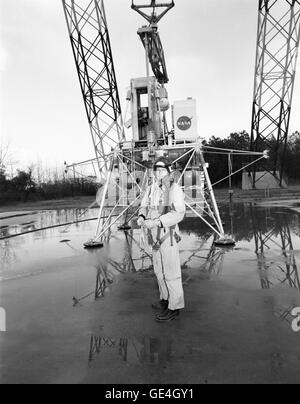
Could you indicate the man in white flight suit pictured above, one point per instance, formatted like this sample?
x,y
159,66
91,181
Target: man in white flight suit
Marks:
x,y
162,208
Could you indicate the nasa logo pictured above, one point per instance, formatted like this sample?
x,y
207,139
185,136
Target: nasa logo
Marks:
x,y
184,123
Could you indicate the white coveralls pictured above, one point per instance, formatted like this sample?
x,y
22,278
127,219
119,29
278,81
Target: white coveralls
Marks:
x,y
166,202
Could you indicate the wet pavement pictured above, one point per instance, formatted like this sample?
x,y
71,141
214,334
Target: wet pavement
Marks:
x,y
77,316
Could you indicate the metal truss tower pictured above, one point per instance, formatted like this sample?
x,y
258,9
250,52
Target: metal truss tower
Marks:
x,y
276,57
87,24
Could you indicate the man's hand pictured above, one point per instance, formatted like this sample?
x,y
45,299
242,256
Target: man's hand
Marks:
x,y
140,221
151,224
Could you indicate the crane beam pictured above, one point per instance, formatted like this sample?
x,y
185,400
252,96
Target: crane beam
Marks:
x,y
90,41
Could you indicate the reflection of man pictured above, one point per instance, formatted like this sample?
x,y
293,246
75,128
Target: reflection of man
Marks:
x,y
162,208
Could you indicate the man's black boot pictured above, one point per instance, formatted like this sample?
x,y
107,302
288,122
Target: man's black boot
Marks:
x,y
160,305
167,315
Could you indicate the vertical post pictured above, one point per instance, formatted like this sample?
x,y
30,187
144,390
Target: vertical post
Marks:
x,y
230,177
210,190
108,178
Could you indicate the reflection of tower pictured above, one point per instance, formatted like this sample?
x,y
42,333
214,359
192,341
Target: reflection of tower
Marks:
x,y
195,255
129,263
145,350
231,212
8,254
107,266
215,259
279,235
96,343
291,275
133,261
103,280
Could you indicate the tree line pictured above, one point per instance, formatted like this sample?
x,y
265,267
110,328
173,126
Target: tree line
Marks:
x,y
31,185
23,187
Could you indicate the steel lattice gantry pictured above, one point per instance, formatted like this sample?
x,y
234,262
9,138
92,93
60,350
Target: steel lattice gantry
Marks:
x,y
277,51
91,47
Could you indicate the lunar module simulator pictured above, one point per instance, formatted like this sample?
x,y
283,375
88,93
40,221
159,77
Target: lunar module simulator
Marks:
x,y
126,166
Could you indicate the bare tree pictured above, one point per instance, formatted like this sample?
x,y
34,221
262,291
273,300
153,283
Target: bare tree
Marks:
x,y
6,155
4,152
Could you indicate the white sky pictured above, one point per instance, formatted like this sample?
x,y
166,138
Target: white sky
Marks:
x,y
210,54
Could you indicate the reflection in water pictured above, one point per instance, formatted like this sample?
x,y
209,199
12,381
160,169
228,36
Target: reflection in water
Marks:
x,y
30,254
145,350
8,255
275,234
132,260
272,235
42,220
210,263
4,231
120,255
214,261
265,228
104,279
285,313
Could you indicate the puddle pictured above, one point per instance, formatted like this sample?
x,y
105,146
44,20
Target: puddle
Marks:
x,y
267,240
47,278
132,350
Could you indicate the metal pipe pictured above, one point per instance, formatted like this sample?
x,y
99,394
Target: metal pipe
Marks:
x,y
104,193
211,192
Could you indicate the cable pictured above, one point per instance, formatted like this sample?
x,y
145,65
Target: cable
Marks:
x,y
249,153
47,228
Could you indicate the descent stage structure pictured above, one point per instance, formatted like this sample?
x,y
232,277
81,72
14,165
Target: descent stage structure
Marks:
x,y
124,163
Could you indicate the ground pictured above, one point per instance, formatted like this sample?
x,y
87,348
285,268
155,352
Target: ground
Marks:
x,y
225,335
236,326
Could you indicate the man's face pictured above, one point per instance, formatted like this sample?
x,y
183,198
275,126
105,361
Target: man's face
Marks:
x,y
160,173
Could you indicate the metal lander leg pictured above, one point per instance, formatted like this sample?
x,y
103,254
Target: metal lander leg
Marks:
x,y
96,243
207,207
121,208
211,209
